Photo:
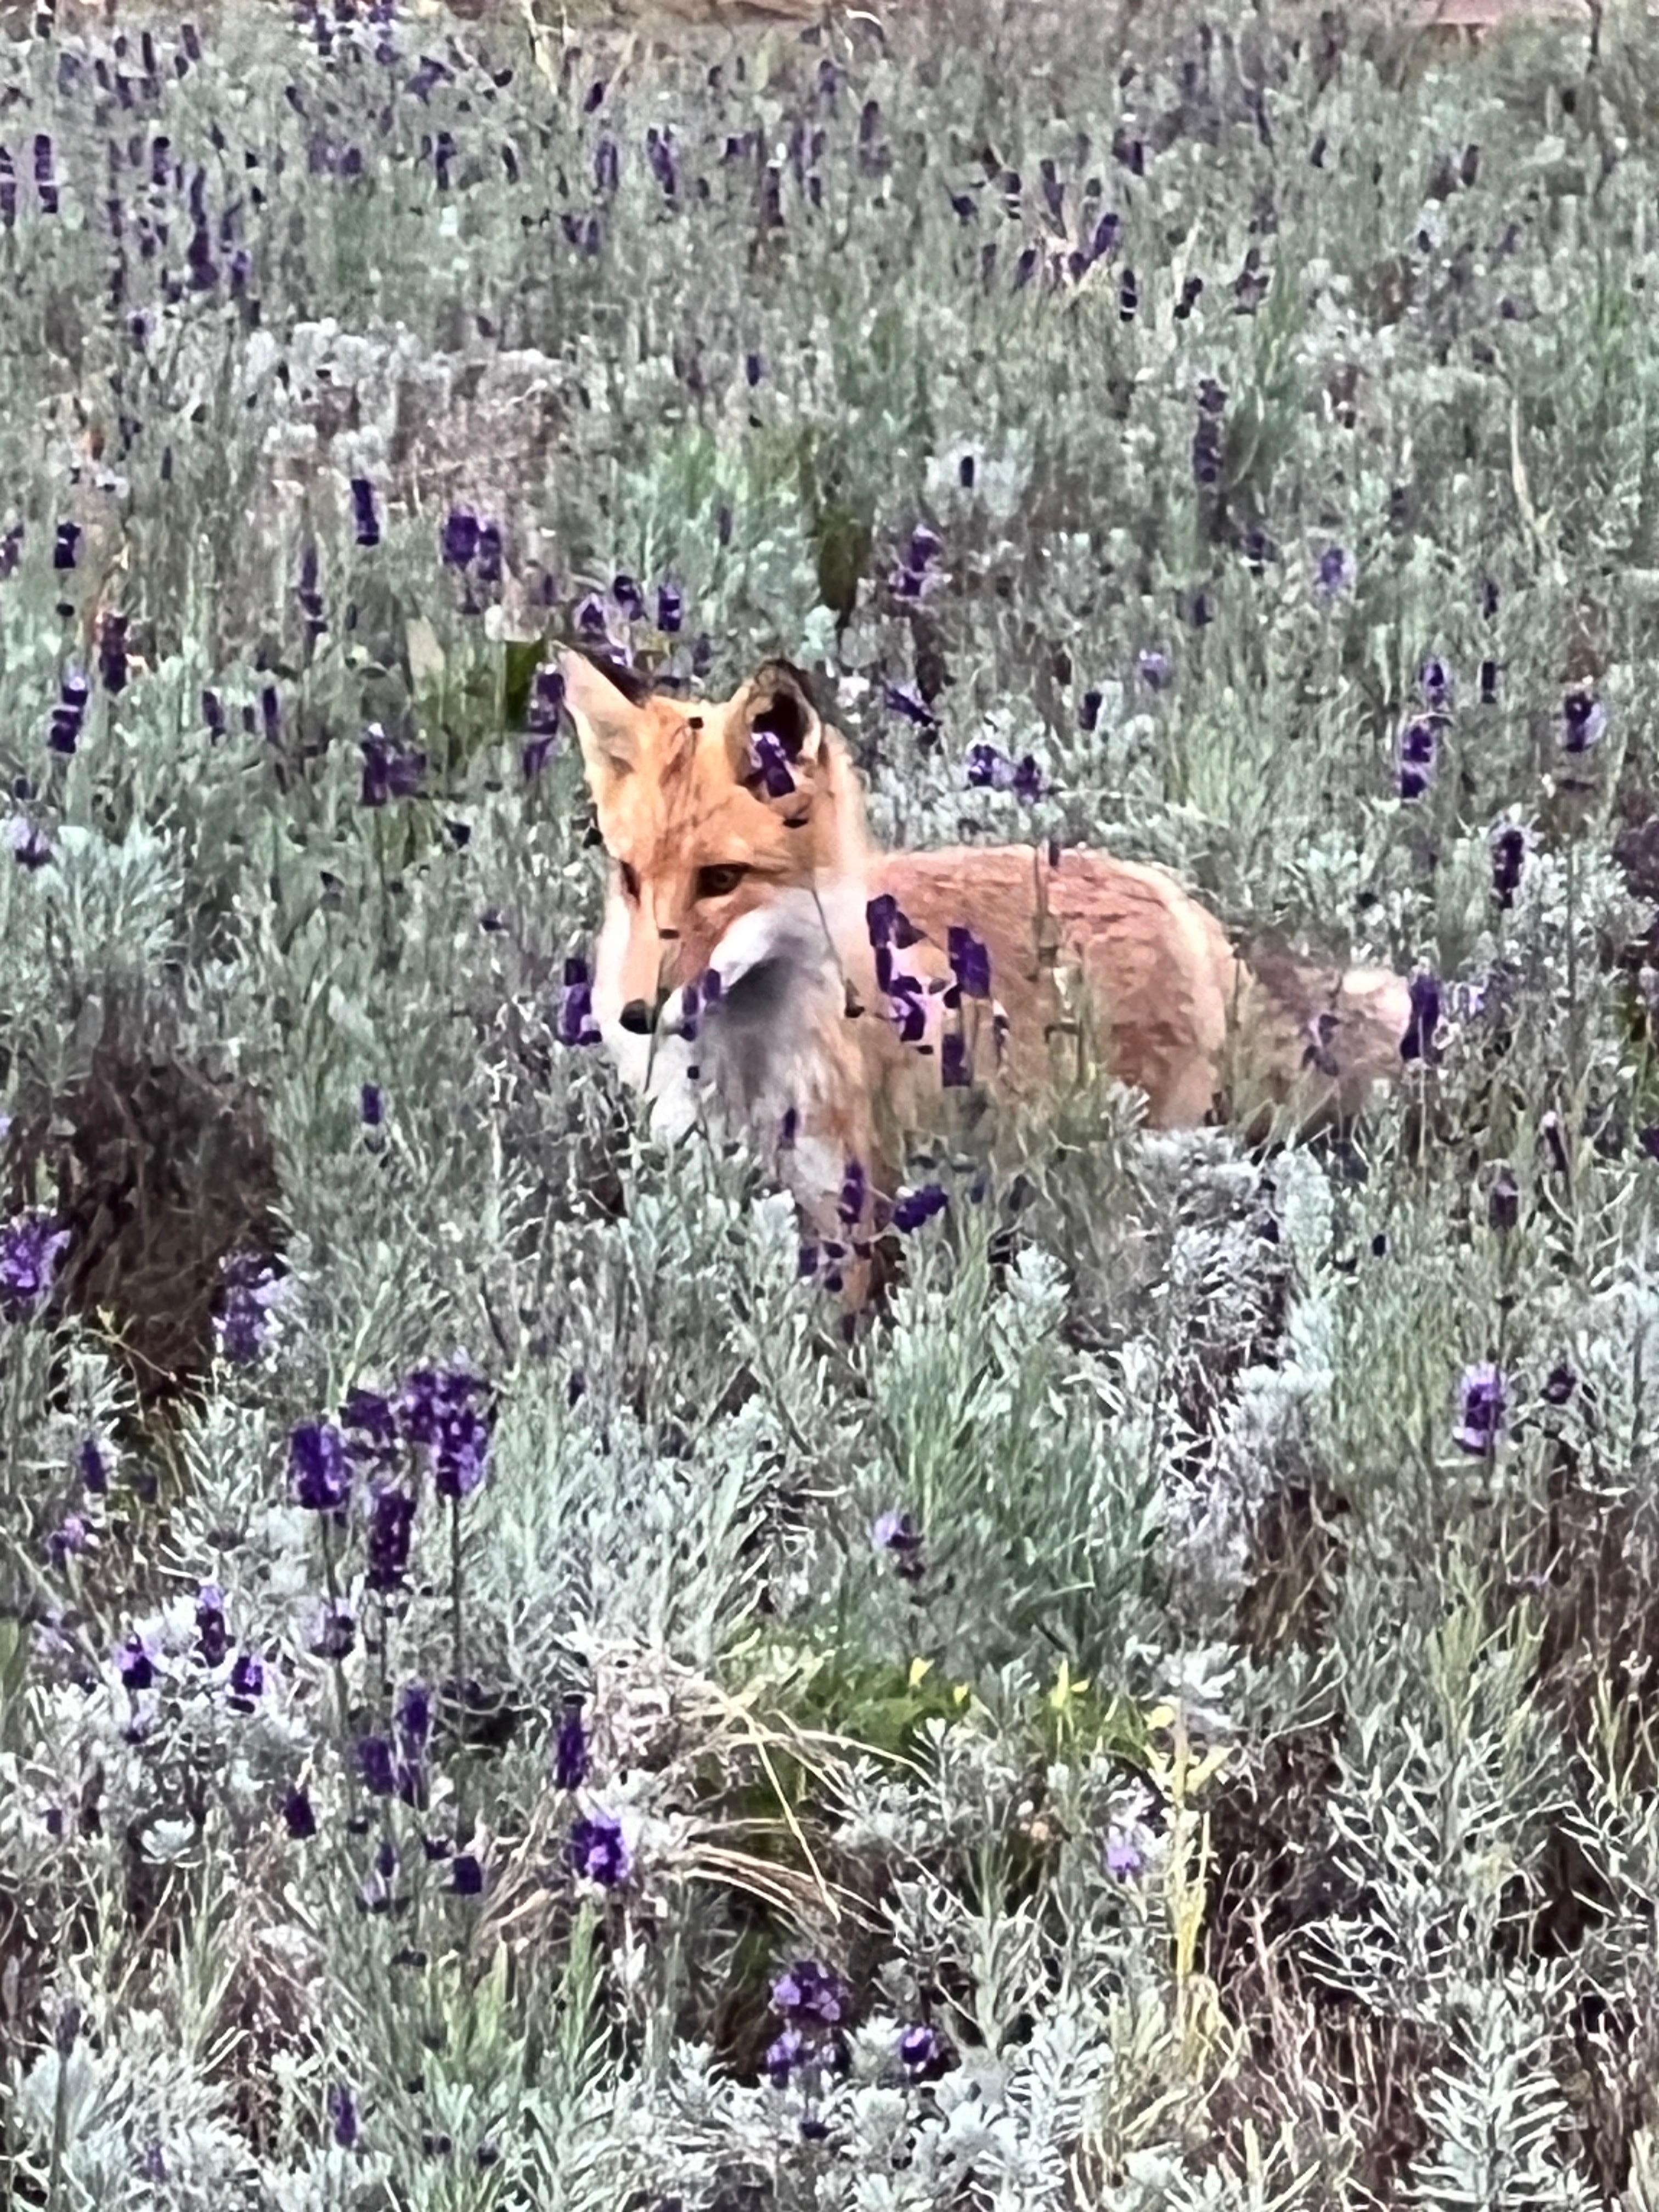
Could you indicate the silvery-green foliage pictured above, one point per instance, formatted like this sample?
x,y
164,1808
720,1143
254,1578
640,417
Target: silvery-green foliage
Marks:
x,y
1171,1420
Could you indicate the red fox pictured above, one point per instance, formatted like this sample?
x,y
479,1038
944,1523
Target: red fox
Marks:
x,y
761,965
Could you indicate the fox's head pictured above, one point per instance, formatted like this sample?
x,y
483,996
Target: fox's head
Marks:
x,y
724,821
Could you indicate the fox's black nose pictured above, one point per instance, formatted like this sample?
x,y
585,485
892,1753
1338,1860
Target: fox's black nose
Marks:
x,y
637,1017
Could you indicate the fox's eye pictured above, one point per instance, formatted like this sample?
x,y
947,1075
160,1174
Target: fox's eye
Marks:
x,y
629,878
716,883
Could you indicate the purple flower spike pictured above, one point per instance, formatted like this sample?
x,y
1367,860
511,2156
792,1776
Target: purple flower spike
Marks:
x,y
1337,572
459,540
1508,855
598,1851
1483,1397
1436,681
771,765
923,2052
989,769
1419,1041
670,609
971,962
783,2055
577,1026
807,1994
29,1251
1419,755
392,1524
630,600
65,545
916,1206
322,1472
1584,721
902,699
362,508
570,1753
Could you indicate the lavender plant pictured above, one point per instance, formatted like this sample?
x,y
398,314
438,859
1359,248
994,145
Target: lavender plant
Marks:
x,y
501,1703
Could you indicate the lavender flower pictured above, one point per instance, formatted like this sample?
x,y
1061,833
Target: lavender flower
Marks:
x,y
577,1026
1337,572
809,1995
65,545
1419,751
771,765
70,1536
1124,1855
298,1816
783,2055
914,1207
458,541
391,769
363,514
898,1536
212,1635
1584,721
598,1850
1504,1201
438,1410
923,2052
95,1467
904,700
322,1472
630,600
971,962
29,846
247,1680
670,609
70,714
1483,1398
1419,1041
342,2115
570,1753
242,1326
392,1523
29,1250
989,769
1508,855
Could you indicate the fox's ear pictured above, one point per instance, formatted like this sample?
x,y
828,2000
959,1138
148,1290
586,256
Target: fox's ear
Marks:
x,y
774,725
607,722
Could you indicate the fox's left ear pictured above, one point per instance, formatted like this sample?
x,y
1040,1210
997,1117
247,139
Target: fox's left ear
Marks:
x,y
774,728
607,722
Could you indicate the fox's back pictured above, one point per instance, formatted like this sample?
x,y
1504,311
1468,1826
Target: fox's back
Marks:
x,y
1157,966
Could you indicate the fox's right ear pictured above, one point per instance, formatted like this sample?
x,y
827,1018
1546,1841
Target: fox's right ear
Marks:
x,y
607,722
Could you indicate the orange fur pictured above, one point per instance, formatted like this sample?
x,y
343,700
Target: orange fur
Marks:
x,y
768,889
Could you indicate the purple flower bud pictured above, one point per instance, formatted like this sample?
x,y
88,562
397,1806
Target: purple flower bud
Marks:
x,y
903,700
914,1207
322,1473
458,541
63,548
29,1251
599,1850
1508,855
971,962
371,1105
392,1522
1336,572
342,2115
1482,1399
489,561
362,503
1584,721
670,609
1419,1041
248,1678
990,767
570,1754
577,1026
